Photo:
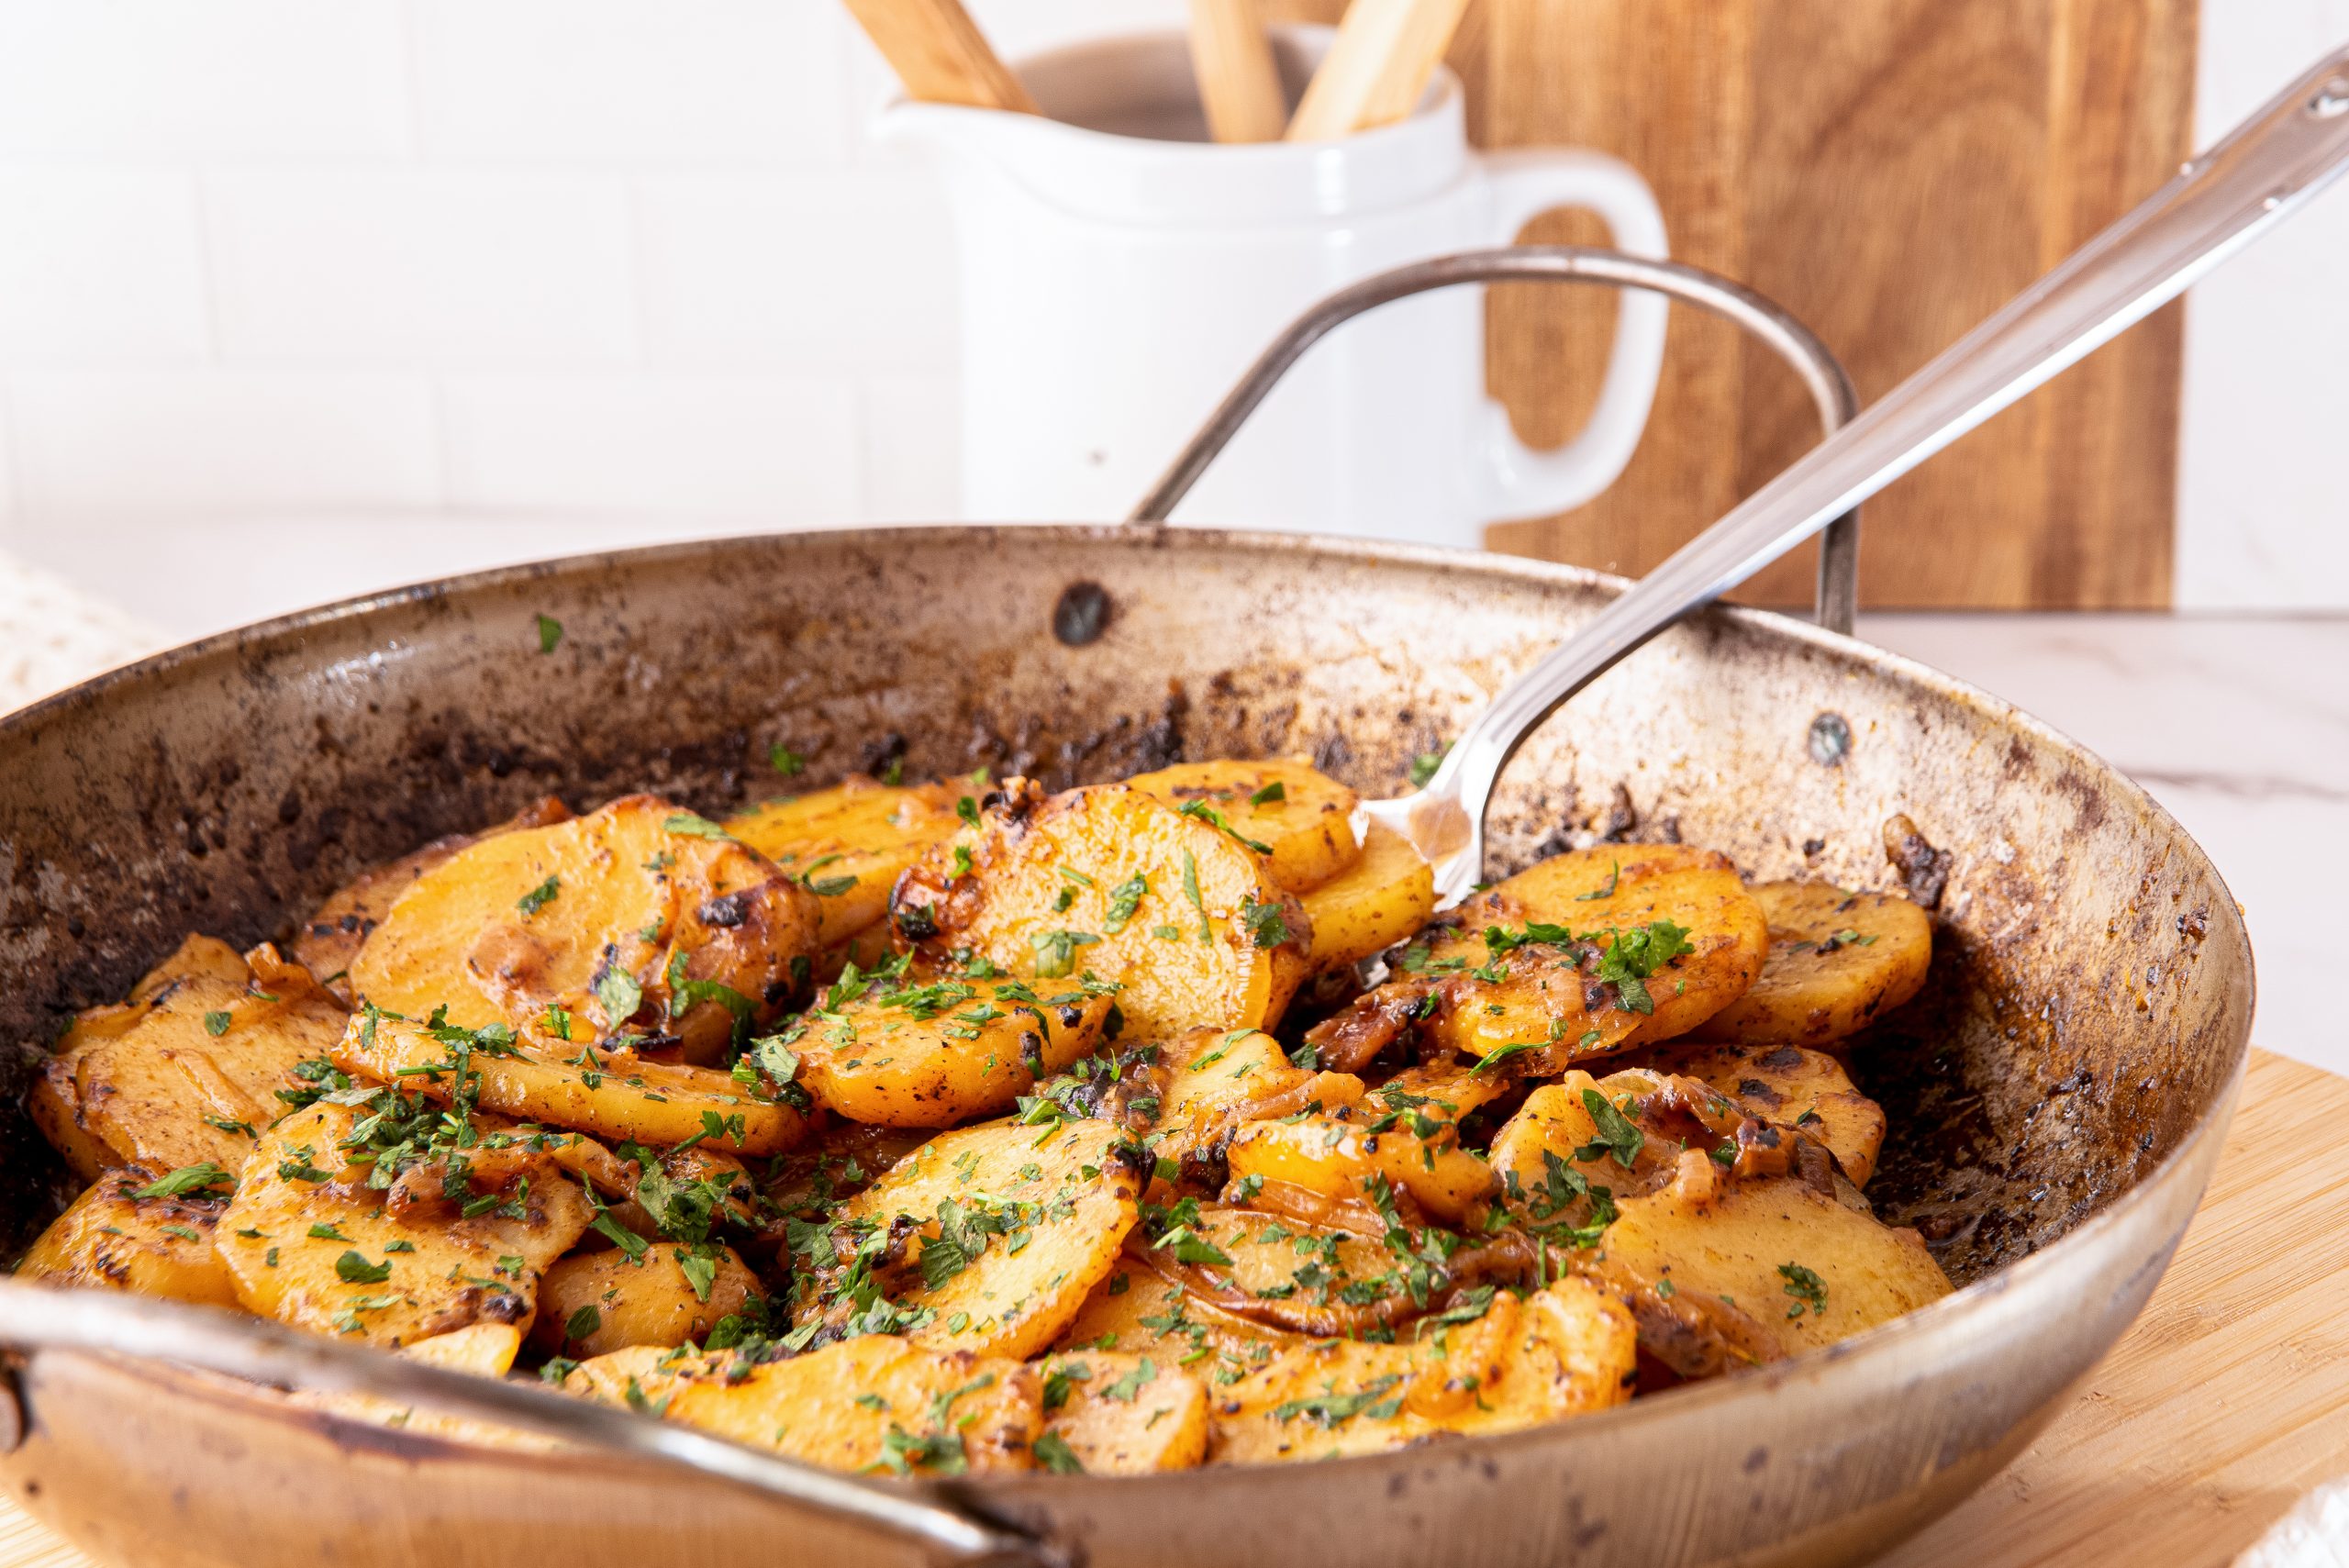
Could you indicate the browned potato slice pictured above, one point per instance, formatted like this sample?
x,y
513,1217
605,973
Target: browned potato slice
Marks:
x,y
931,1047
1119,1415
1724,1272
1807,1090
1136,1308
1558,1123
1111,881
1303,817
875,1402
1406,1130
641,1377
614,1094
1384,896
849,844
1019,1224
591,1304
639,914
1567,1350
1567,961
1220,1079
1837,961
189,1071
309,1242
113,1239
330,938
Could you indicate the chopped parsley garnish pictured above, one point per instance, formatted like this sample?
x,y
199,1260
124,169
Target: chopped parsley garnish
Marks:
x,y
1124,899
692,824
1271,794
352,1268
1057,951
1501,1053
1597,894
188,1179
1051,1451
619,994
550,633
1128,1387
1618,1135
215,1024
539,897
786,760
1334,1410
1263,924
1424,765
1214,818
1807,1289
1191,892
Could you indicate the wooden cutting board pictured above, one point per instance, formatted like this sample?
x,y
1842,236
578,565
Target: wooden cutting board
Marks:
x,y
2228,1400
1890,170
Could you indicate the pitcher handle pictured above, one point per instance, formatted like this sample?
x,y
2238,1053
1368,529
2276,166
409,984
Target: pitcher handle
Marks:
x,y
1515,480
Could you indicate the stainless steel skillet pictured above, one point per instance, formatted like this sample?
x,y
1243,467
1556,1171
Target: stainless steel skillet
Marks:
x,y
2090,1084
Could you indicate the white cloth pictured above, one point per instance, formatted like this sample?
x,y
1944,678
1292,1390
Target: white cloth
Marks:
x,y
52,635
2315,1534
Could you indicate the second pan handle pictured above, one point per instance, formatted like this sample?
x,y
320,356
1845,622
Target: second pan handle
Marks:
x,y
1830,387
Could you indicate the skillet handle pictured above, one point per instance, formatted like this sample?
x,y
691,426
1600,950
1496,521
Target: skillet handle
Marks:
x,y
935,1518
1830,387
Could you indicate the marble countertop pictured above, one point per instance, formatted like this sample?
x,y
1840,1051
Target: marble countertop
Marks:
x,y
2239,726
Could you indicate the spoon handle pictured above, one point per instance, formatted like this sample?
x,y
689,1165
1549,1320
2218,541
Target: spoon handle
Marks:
x,y
2262,170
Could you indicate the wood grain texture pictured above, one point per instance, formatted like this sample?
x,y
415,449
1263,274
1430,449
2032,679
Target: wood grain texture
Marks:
x,y
939,54
2227,1401
1891,173
1240,83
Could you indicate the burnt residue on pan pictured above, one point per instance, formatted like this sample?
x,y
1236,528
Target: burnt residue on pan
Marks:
x,y
2088,997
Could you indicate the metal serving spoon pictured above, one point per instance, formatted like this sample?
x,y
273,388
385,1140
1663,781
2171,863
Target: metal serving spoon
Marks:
x,y
2220,201
2264,168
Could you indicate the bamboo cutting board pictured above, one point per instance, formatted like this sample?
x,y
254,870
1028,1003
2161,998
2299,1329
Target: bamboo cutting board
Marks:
x,y
1891,171
2227,1401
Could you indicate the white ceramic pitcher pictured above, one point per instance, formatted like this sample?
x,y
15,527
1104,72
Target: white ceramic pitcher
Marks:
x,y
1120,271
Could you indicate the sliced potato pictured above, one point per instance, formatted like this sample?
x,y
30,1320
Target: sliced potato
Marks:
x,y
1567,1350
1406,1130
1723,1273
591,1304
1806,1090
875,1402
1837,961
1385,895
1556,1130
1018,1224
308,1243
330,938
614,1094
1121,1415
112,1238
1302,816
935,1046
849,844
641,1377
1138,1310
1529,968
639,914
189,1071
1219,1080
1112,882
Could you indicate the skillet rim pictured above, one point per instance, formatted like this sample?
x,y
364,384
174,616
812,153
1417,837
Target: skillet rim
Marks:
x,y
1871,1346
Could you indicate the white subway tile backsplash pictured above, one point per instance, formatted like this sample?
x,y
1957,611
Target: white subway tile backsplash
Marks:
x,y
822,271
295,79
421,266
777,448
629,81
913,434
100,263
187,442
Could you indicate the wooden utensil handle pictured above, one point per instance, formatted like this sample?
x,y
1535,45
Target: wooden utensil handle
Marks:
x,y
1240,83
939,54
1376,69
